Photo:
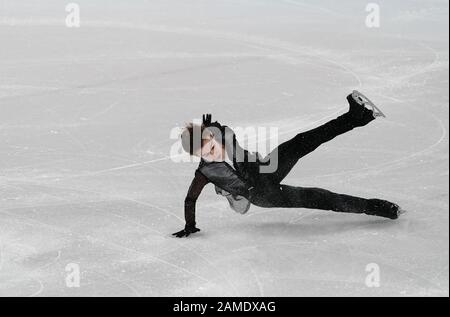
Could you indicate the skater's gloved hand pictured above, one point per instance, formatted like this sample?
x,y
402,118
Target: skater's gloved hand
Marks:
x,y
185,232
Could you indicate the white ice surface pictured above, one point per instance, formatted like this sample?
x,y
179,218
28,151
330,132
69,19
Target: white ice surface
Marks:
x,y
85,116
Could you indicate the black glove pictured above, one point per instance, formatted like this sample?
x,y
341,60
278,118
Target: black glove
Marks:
x,y
185,232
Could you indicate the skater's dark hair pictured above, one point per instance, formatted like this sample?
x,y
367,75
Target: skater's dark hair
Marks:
x,y
193,137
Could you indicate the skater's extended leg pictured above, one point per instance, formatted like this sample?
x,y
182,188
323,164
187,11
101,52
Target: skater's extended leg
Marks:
x,y
284,196
304,143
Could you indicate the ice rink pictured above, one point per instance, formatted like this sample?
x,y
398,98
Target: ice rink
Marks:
x,y
85,121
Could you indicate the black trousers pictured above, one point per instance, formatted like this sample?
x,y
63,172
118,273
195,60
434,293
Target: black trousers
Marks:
x,y
271,193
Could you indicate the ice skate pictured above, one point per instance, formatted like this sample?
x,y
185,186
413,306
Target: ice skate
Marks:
x,y
360,115
401,211
366,102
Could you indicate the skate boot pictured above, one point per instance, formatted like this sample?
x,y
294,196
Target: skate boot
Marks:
x,y
384,208
366,102
358,112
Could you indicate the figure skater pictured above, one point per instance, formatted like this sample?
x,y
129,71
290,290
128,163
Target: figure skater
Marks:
x,y
239,175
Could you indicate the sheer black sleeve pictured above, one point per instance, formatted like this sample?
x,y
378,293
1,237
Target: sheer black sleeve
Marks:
x,y
197,185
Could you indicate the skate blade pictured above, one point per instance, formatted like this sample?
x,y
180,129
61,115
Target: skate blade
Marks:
x,y
364,101
401,211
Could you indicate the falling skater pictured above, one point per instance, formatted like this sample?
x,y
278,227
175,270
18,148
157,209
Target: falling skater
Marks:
x,y
239,175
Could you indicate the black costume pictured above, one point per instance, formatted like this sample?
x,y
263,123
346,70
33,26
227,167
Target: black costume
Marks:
x,y
245,182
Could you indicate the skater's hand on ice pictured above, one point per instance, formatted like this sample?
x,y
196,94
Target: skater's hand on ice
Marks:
x,y
185,232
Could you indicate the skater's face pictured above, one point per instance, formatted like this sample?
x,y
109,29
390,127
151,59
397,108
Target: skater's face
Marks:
x,y
211,151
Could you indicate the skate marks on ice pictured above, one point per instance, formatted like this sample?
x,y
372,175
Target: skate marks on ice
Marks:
x,y
69,235
303,5
396,163
16,259
436,64
140,255
273,46
265,44
305,246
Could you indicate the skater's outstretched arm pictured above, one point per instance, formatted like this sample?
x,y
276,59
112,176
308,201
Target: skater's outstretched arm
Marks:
x,y
197,185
